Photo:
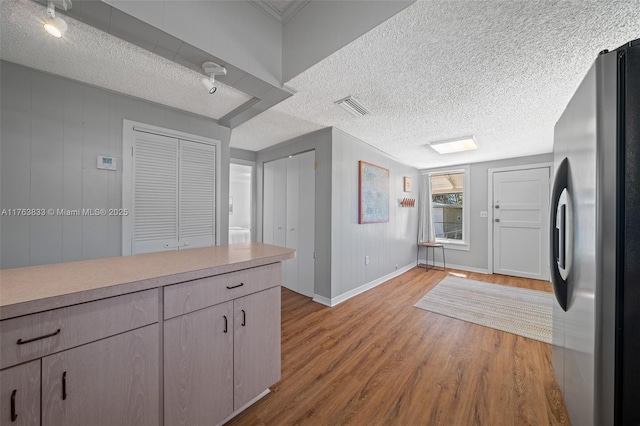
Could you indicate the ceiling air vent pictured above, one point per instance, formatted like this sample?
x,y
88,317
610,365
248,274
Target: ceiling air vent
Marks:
x,y
353,105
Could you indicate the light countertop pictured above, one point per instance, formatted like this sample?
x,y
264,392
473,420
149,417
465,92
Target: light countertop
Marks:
x,y
39,288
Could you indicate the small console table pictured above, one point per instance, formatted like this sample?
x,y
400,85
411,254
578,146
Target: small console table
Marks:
x,y
433,247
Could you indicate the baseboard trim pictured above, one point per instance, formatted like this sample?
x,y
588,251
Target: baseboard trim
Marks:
x,y
460,267
245,406
359,290
322,300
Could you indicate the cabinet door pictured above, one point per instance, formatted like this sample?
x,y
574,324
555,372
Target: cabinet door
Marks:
x,y
108,382
20,395
256,344
198,366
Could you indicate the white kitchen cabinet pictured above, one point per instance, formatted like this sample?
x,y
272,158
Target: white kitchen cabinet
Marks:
x,y
221,357
113,381
256,344
198,366
20,394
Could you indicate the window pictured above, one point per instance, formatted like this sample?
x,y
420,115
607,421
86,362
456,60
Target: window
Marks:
x,y
447,193
445,218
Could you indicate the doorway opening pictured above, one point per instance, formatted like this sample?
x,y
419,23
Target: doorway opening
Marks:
x,y
240,179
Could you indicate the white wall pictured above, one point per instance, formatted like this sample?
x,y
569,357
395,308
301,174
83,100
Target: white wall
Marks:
x,y
235,31
387,244
476,258
52,129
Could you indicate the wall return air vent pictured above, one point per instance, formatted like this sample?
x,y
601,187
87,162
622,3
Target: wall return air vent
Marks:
x,y
353,105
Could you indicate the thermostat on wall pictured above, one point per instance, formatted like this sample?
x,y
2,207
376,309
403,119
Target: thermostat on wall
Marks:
x,y
107,163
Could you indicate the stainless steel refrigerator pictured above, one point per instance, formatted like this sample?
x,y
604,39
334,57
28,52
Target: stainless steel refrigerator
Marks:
x,y
595,244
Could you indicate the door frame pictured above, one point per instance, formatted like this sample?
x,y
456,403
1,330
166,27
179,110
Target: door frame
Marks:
x,y
254,191
129,129
490,209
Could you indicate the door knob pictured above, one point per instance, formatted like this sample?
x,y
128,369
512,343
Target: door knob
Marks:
x,y
497,206
497,220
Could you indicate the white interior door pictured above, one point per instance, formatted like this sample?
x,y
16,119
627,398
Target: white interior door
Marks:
x,y
293,209
197,214
275,203
307,223
521,223
289,216
155,193
268,221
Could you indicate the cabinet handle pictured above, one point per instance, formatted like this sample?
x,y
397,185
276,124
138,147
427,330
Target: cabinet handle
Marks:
x,y
244,318
64,385
14,416
22,342
235,286
225,323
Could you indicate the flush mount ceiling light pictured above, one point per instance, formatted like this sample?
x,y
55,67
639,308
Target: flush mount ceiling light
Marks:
x,y
55,25
212,69
456,145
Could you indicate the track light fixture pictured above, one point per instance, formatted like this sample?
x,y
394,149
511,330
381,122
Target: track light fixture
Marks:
x,y
209,83
212,69
55,25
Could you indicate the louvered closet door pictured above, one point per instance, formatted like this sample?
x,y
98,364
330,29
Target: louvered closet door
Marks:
x,y
155,193
197,194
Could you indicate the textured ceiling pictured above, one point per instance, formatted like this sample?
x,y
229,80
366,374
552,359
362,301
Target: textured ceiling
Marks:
x,y
89,55
500,70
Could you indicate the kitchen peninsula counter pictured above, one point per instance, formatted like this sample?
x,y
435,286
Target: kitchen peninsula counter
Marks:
x,y
177,337
38,288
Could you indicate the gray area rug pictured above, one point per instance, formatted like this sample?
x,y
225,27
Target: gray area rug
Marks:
x,y
514,310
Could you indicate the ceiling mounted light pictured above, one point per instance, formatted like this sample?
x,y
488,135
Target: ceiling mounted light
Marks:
x,y
456,145
212,69
55,25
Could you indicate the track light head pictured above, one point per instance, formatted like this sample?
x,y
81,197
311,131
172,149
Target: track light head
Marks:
x,y
212,69
209,83
54,25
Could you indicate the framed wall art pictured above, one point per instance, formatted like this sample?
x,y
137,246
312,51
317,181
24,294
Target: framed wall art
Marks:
x,y
407,184
373,193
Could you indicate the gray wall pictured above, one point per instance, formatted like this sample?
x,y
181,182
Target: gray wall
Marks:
x,y
52,129
387,244
242,154
234,31
320,141
342,243
321,28
477,256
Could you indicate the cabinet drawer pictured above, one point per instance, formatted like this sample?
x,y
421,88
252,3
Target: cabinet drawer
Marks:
x,y
34,336
187,297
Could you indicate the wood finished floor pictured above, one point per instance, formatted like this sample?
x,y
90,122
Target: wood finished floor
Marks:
x,y
376,360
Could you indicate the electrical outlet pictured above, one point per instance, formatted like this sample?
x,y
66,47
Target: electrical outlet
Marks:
x,y
366,260
483,214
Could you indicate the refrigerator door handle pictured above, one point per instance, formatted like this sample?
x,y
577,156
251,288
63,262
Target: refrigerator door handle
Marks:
x,y
557,237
